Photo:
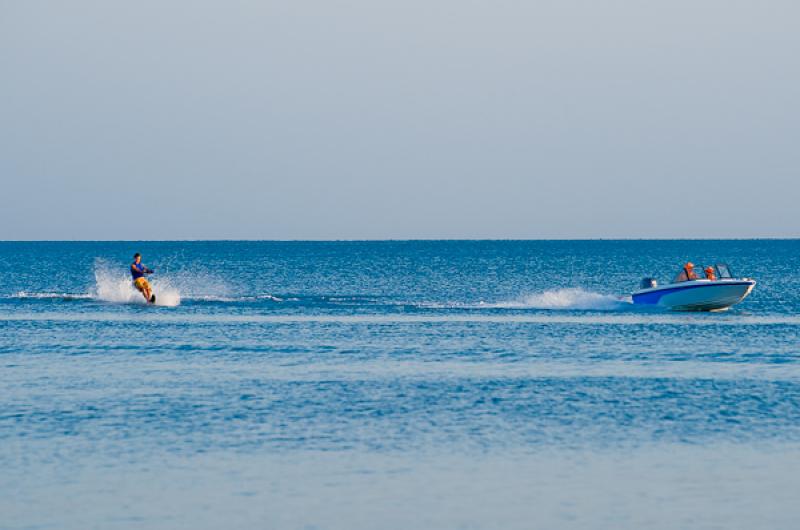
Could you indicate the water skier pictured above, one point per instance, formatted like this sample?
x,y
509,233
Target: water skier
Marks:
x,y
138,270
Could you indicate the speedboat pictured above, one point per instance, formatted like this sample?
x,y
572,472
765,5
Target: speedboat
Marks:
x,y
718,291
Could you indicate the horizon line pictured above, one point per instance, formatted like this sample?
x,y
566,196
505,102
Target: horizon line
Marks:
x,y
397,240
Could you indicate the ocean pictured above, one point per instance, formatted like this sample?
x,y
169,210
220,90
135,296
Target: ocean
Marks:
x,y
395,384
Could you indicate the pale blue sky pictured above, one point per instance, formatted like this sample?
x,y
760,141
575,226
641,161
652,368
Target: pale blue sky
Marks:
x,y
398,119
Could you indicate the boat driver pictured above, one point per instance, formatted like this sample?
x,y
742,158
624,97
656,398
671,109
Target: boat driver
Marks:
x,y
686,274
710,274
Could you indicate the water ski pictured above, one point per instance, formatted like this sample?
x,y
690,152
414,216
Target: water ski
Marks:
x,y
152,299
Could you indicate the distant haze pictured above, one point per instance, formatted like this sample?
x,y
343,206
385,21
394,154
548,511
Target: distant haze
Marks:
x,y
398,119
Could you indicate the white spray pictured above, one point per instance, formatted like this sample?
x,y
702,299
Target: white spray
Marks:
x,y
111,285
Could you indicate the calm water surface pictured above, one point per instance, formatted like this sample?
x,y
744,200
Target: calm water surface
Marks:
x,y
395,384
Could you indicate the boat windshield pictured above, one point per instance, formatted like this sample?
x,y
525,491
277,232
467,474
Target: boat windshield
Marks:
x,y
723,271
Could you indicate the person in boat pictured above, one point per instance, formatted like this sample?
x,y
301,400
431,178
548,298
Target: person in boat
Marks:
x,y
686,274
138,270
710,274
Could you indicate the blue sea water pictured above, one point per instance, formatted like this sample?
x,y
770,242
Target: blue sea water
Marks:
x,y
435,384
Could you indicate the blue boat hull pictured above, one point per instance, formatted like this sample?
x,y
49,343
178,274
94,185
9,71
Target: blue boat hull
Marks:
x,y
696,295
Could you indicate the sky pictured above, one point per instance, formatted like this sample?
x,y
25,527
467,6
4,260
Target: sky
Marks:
x,y
370,119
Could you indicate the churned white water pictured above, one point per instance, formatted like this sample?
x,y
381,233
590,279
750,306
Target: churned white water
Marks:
x,y
116,286
567,298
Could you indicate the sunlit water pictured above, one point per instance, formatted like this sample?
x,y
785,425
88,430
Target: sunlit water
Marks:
x,y
395,385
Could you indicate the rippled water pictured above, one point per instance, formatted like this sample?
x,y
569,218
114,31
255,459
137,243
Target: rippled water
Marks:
x,y
395,384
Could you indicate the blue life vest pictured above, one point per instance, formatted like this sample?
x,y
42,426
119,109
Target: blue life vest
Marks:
x,y
137,271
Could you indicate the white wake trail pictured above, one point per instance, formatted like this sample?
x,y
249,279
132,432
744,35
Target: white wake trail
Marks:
x,y
567,298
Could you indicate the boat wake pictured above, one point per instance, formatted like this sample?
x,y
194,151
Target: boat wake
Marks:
x,y
568,298
113,286
24,295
